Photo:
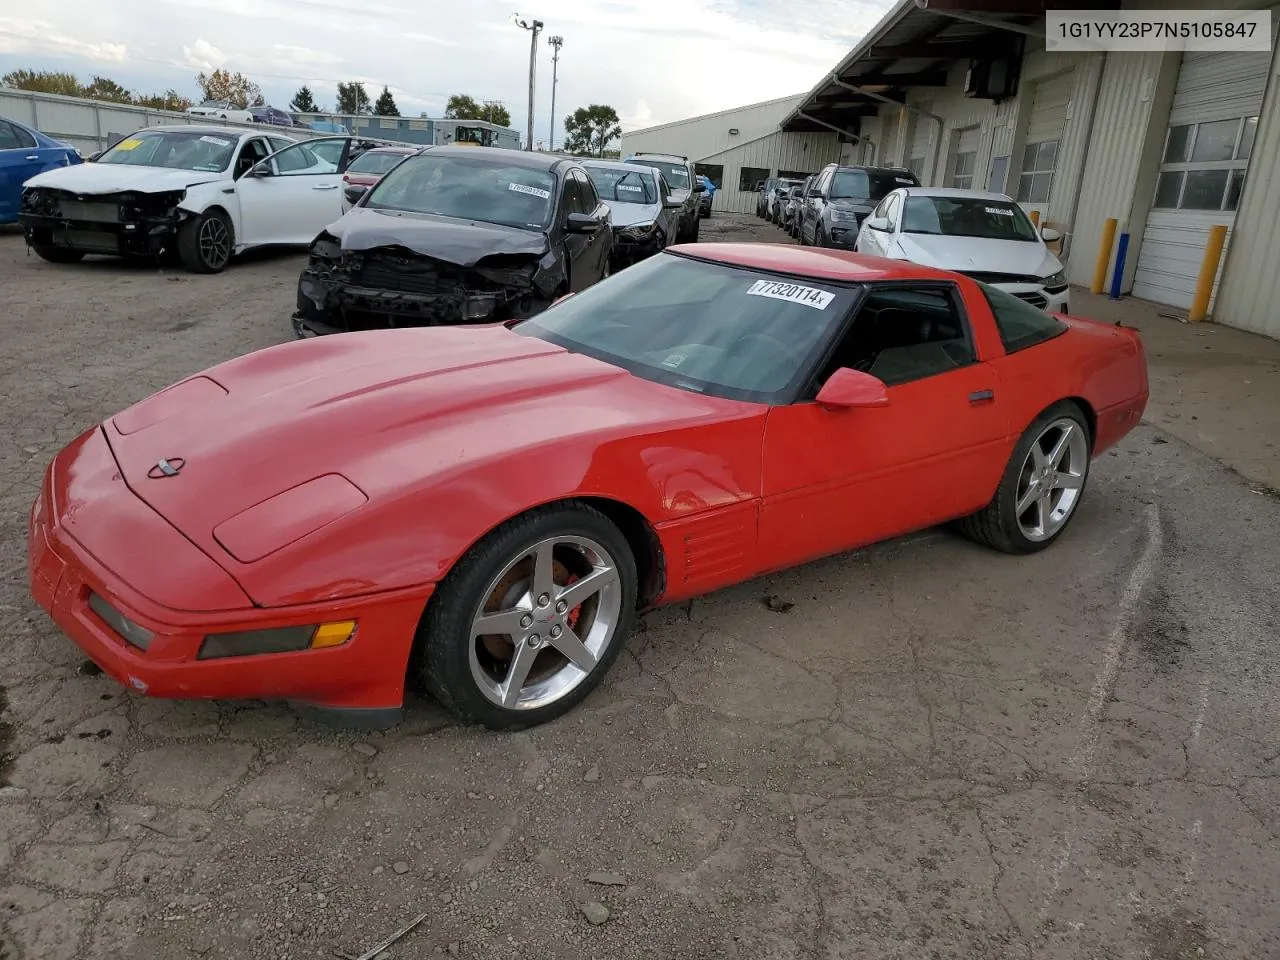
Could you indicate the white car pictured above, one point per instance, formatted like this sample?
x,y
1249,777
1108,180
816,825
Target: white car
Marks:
x,y
220,110
204,193
983,235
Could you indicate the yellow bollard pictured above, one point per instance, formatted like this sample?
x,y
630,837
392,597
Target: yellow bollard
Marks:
x,y
1208,273
1104,255
1034,217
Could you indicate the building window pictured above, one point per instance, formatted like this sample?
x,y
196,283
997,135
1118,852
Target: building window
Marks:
x,y
999,172
1204,164
750,178
1039,161
712,171
962,167
916,166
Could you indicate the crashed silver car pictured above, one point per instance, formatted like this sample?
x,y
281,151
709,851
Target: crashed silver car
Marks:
x,y
646,217
456,235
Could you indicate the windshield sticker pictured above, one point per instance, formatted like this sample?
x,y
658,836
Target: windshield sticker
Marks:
x,y
909,183
128,144
792,293
531,191
1000,212
674,360
630,188
216,141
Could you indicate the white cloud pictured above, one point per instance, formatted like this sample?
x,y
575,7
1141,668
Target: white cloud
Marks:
x,y
655,61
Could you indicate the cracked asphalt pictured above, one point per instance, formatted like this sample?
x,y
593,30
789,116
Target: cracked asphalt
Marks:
x,y
937,752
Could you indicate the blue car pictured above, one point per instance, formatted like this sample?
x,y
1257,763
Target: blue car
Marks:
x,y
704,201
23,154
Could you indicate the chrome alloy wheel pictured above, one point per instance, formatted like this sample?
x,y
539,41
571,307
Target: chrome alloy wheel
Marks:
x,y
546,621
1052,479
215,242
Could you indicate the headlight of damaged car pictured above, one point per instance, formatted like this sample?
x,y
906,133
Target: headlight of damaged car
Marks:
x,y
843,216
1058,279
326,247
639,230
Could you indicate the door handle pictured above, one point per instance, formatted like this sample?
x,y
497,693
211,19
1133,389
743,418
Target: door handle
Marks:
x,y
325,186
982,396
33,157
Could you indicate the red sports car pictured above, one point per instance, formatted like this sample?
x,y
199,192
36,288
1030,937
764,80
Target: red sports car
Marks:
x,y
485,509
368,168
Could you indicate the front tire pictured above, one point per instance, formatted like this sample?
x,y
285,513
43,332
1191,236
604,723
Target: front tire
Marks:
x,y
205,242
58,254
554,592
1042,485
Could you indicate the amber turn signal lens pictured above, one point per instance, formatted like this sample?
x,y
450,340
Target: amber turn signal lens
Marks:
x,y
332,634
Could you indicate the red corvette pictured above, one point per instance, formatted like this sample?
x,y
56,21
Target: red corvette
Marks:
x,y
485,509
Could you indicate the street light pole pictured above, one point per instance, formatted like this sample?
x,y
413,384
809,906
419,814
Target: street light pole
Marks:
x,y
557,43
534,27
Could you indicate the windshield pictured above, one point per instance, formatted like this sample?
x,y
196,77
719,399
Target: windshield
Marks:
x,y
468,188
176,149
374,162
677,174
623,186
867,185
967,217
216,103
703,327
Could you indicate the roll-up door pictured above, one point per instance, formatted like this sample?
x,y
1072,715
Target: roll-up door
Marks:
x,y
1212,125
1050,103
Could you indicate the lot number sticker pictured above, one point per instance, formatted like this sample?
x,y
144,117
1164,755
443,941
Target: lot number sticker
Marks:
x,y
1000,212
630,187
792,293
531,191
216,141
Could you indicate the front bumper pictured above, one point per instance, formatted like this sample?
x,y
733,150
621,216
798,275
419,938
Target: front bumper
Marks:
x,y
629,248
143,225
1049,300
365,674
843,235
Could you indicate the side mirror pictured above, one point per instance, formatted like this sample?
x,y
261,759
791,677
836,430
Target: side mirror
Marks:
x,y
1049,235
878,223
260,169
354,193
582,223
671,203
92,157
699,188
846,389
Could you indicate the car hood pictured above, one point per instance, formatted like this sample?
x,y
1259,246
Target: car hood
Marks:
x,y
461,242
976,254
627,214
274,445
101,178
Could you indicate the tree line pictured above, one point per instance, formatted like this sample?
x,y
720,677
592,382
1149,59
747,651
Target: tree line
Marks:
x,y
588,130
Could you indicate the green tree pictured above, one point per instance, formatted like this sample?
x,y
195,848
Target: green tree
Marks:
x,y
44,81
386,105
104,88
353,98
169,100
235,87
590,130
463,107
303,101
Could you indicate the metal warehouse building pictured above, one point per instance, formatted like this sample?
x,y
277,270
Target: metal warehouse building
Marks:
x,y
963,92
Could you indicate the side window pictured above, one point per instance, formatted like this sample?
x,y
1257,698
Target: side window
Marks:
x,y
590,198
297,160
1020,324
252,151
573,201
904,333
892,204
882,208
823,184
664,189
14,138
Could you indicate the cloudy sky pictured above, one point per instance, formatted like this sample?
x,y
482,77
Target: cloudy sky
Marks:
x,y
654,61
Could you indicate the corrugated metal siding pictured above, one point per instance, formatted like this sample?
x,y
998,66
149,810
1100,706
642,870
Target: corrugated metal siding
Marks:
x,y
923,129
698,138
1049,103
808,152
890,148
1120,130
1247,295
1211,86
1074,147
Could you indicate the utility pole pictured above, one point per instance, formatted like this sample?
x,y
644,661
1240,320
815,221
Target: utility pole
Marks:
x,y
557,43
534,27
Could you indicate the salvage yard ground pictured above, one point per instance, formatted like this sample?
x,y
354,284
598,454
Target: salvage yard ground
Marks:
x,y
926,749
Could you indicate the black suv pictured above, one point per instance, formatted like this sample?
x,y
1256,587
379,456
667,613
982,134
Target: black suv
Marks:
x,y
840,198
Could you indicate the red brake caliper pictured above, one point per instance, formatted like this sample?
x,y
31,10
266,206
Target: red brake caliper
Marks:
x,y
572,616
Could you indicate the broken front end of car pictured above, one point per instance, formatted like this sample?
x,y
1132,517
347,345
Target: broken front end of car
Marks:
x,y
123,224
393,286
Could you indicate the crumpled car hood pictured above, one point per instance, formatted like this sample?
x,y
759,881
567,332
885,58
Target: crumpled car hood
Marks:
x,y
461,242
102,178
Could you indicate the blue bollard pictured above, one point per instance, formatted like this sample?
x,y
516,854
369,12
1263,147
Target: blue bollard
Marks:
x,y
1122,248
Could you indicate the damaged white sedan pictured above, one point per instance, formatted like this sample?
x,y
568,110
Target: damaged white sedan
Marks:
x,y
455,235
198,194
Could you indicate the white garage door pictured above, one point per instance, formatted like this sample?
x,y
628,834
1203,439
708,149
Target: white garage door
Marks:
x,y
964,157
1050,102
1211,129
922,128
889,151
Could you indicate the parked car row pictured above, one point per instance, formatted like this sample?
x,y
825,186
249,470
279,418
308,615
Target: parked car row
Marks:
x,y
883,211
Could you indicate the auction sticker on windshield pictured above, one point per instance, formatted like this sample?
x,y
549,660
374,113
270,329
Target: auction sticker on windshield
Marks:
x,y
128,144
630,188
792,293
1000,211
531,191
216,141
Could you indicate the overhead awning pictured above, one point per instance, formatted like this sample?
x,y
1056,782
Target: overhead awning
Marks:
x,y
916,45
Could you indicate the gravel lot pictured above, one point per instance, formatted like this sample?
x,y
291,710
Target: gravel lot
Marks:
x,y
937,752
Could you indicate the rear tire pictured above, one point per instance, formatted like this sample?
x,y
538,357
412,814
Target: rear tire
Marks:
x,y
1032,479
58,254
521,568
205,242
